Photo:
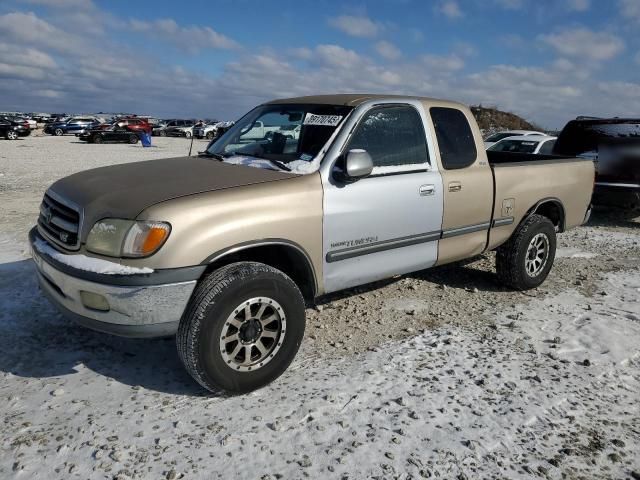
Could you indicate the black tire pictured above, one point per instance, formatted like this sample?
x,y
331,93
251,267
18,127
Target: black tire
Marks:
x,y
188,134
58,132
512,257
221,294
11,135
163,133
133,139
97,139
210,135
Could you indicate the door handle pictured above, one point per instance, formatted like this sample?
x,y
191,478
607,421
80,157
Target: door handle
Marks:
x,y
455,186
426,190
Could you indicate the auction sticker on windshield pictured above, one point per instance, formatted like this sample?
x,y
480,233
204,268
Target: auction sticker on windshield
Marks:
x,y
322,120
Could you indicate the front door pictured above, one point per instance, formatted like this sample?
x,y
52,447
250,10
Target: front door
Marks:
x,y
389,222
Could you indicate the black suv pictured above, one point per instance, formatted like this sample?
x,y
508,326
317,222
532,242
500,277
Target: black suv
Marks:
x,y
614,145
12,128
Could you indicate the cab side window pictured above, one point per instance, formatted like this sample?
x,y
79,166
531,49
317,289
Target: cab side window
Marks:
x,y
455,139
392,135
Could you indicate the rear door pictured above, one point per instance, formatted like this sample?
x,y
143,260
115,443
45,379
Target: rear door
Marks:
x,y
387,223
468,185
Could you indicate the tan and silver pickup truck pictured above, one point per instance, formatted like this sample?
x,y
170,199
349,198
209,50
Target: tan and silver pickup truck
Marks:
x,y
225,248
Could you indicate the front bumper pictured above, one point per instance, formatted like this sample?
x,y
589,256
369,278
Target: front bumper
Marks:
x,y
139,305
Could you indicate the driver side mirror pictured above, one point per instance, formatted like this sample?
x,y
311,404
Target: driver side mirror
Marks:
x,y
357,164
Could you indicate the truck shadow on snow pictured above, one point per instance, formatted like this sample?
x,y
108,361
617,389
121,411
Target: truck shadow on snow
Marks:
x,y
37,342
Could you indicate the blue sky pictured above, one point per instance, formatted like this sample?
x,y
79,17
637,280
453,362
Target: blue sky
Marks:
x,y
545,60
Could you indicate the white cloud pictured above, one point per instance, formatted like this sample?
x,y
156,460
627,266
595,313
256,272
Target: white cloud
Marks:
x,y
584,43
356,26
388,50
443,63
450,9
579,5
45,73
630,9
191,39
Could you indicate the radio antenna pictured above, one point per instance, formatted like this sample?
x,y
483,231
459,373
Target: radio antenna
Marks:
x,y
191,144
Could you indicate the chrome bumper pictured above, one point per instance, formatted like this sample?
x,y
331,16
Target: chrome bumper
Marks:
x,y
146,310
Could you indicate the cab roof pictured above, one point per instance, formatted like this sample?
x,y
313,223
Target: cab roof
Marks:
x,y
355,99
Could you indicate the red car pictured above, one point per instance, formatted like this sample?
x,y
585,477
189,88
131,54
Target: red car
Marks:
x,y
135,124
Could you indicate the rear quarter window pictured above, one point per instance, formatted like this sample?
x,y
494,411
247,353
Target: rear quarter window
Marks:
x,y
455,138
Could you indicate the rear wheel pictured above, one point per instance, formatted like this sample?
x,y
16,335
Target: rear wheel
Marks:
x,y
242,328
133,139
163,133
12,135
188,134
58,132
525,260
210,135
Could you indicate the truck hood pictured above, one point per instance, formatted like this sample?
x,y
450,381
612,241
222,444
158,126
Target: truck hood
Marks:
x,y
124,191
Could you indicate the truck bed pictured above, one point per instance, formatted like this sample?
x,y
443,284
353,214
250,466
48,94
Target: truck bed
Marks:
x,y
523,180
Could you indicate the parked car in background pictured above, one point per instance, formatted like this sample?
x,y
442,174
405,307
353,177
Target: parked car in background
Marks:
x,y
496,137
211,130
178,128
614,145
30,121
11,129
135,124
536,144
71,126
115,133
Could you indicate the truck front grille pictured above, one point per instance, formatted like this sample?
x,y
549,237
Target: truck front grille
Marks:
x,y
59,222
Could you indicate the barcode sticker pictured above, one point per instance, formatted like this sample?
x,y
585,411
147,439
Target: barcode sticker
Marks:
x,y
322,120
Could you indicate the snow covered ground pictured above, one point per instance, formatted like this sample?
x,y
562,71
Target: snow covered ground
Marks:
x,y
479,383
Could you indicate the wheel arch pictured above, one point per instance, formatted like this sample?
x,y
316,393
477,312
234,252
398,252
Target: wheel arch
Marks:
x,y
553,209
284,255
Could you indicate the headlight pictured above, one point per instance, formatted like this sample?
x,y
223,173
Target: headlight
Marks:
x,y
126,238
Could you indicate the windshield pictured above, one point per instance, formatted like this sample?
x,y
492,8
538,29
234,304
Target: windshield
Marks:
x,y
519,146
281,132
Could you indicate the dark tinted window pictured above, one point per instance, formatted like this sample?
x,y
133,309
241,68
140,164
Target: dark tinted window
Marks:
x,y
547,147
579,137
455,139
520,146
392,135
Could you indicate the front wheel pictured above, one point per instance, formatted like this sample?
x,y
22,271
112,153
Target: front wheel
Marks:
x,y
242,327
11,135
133,139
58,132
210,135
97,139
188,134
526,259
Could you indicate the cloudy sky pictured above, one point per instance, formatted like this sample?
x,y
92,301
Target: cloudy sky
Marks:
x,y
547,60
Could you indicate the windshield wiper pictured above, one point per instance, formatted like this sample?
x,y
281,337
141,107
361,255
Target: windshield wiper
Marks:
x,y
277,163
217,156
